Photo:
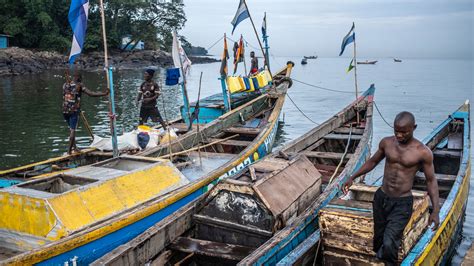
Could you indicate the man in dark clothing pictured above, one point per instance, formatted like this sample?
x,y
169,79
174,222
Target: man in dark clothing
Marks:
x,y
393,202
72,92
253,63
148,93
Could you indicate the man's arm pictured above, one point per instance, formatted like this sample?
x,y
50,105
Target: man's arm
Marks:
x,y
368,166
432,187
95,94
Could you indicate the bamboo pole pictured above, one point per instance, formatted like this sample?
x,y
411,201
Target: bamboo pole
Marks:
x,y
110,87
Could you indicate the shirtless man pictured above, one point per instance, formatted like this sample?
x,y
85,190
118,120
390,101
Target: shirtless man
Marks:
x,y
253,64
393,202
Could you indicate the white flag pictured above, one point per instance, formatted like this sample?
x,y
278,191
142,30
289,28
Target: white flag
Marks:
x,y
179,56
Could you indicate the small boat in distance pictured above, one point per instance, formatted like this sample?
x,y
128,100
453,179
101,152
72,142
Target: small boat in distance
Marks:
x,y
367,62
310,57
304,61
397,60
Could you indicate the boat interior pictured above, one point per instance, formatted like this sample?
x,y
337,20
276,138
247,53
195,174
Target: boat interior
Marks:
x,y
355,246
245,211
44,210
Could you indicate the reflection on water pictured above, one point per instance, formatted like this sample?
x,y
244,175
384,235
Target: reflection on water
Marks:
x,y
32,127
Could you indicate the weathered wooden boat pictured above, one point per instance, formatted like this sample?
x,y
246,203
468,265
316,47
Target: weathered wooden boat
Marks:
x,y
397,60
272,204
52,230
310,57
304,61
210,109
347,225
367,62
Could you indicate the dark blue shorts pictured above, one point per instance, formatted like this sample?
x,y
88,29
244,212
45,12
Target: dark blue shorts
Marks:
x,y
72,119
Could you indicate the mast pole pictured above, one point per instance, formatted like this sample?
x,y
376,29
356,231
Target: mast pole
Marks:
x,y
355,79
258,38
265,40
110,84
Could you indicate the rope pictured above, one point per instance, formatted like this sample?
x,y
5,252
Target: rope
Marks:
x,y
300,110
376,107
214,44
343,156
319,87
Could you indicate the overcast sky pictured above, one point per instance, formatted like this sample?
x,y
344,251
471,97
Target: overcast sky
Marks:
x,y
401,28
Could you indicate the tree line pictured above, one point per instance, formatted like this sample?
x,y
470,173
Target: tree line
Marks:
x,y
43,24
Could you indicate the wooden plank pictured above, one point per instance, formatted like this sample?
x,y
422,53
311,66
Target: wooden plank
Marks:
x,y
441,178
210,248
335,257
342,136
326,155
315,145
241,143
239,227
252,173
243,130
346,130
445,153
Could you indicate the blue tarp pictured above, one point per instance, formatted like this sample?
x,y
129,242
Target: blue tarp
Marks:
x,y
172,76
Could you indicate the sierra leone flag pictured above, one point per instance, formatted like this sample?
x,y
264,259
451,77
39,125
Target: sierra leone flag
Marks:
x,y
241,14
350,37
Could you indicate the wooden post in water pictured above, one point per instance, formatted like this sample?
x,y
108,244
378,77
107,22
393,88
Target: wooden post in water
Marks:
x,y
110,85
258,38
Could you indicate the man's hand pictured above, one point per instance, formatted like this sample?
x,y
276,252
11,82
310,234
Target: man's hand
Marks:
x,y
346,186
434,218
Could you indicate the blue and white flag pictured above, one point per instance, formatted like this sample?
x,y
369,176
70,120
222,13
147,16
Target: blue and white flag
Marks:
x,y
350,37
264,25
78,13
242,13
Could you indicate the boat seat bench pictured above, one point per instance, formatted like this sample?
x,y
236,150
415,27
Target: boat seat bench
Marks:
x,y
342,136
326,155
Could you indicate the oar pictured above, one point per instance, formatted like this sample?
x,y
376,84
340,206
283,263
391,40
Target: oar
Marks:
x,y
86,124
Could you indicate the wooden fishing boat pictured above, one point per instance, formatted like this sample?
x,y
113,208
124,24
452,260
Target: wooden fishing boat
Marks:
x,y
367,62
272,204
397,60
310,57
210,109
304,61
54,231
450,143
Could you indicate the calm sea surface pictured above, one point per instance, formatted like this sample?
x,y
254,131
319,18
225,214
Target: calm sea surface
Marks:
x,y
32,127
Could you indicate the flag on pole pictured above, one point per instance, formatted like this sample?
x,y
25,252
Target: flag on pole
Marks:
x,y
180,59
78,13
241,14
225,57
351,66
350,37
264,25
240,54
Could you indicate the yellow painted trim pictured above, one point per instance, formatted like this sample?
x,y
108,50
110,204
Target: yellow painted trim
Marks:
x,y
69,243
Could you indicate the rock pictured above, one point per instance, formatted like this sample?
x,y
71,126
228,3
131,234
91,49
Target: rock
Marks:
x,y
15,61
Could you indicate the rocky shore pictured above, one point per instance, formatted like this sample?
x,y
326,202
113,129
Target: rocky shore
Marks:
x,y
16,61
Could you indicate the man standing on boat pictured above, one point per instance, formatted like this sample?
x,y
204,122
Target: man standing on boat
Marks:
x,y
393,202
253,64
147,94
72,92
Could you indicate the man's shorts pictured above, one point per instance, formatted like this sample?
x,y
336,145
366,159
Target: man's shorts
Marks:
x,y
72,119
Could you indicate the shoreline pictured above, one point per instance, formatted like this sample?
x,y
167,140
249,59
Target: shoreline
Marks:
x,y
17,61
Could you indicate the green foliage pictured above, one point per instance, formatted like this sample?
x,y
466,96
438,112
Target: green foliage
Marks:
x,y
44,24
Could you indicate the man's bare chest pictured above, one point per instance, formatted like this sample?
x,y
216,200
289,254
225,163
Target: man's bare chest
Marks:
x,y
407,158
